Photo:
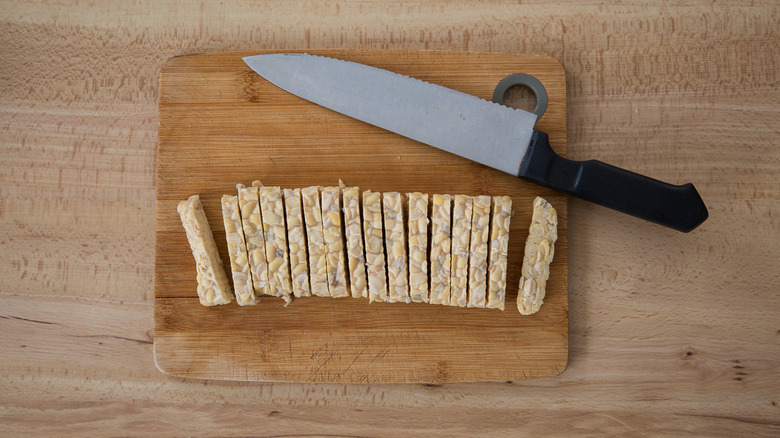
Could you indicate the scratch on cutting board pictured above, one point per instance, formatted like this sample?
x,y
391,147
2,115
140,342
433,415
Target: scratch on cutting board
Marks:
x,y
380,355
320,351
338,376
324,362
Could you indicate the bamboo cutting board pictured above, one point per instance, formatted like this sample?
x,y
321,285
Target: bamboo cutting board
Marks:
x,y
222,124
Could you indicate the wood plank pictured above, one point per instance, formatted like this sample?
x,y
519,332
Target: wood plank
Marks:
x,y
221,124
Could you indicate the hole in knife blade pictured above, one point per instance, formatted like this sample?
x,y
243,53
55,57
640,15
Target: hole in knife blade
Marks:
x,y
520,97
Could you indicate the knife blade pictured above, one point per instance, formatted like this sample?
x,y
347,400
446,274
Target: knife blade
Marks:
x,y
488,133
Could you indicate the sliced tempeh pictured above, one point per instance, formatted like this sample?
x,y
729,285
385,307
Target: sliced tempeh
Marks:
x,y
461,233
213,285
499,246
312,214
418,246
354,230
272,208
334,241
478,251
395,245
296,243
441,241
239,260
539,251
375,249
252,223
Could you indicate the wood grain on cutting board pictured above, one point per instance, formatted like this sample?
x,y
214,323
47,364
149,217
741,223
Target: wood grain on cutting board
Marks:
x,y
222,124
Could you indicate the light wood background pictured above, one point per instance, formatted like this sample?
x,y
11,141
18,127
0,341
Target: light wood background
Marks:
x,y
670,334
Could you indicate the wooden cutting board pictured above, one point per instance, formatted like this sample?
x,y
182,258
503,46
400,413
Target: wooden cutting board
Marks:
x,y
222,124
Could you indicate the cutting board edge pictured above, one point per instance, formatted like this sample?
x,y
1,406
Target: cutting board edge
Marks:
x,y
333,52
557,370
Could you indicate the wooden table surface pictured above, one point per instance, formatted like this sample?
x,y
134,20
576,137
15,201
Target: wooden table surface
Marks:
x,y
670,334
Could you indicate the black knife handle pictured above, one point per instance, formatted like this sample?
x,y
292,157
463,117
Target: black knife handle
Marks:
x,y
678,207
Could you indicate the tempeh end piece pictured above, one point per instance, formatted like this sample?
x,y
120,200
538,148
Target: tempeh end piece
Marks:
x,y
213,285
539,251
499,247
239,260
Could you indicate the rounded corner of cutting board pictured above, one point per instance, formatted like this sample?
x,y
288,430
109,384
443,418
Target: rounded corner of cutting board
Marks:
x,y
159,362
174,61
561,368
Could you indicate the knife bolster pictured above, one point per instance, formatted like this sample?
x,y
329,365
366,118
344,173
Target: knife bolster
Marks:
x,y
541,165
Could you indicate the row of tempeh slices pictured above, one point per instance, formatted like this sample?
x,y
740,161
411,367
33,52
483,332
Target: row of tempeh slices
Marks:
x,y
324,241
318,240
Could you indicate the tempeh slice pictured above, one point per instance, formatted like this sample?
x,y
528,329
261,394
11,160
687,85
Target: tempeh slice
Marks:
x,y
441,245
461,233
375,249
213,285
418,246
499,246
239,260
334,241
478,251
354,230
312,215
539,251
272,208
296,243
252,223
395,245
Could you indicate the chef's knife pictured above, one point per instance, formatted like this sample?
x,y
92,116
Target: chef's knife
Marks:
x,y
482,131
